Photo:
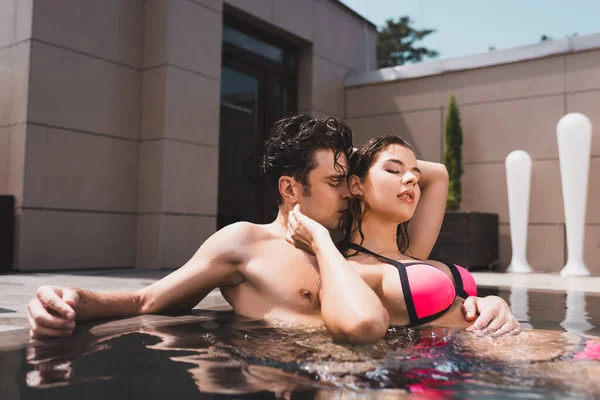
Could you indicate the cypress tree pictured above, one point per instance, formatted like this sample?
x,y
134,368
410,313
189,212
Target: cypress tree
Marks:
x,y
453,155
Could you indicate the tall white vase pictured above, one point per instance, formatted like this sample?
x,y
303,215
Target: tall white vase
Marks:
x,y
518,181
574,133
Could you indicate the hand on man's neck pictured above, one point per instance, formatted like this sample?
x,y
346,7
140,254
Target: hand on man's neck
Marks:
x,y
281,221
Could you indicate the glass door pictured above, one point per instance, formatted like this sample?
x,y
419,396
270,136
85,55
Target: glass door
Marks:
x,y
258,87
281,91
241,192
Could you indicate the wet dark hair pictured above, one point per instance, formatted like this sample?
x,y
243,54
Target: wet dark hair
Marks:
x,y
289,150
360,162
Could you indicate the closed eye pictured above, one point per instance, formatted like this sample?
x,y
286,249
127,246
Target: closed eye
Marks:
x,y
392,171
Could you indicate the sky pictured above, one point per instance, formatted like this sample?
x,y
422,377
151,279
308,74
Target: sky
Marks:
x,y
466,27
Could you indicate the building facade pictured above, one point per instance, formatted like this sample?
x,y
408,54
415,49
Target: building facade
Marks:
x,y
130,130
114,115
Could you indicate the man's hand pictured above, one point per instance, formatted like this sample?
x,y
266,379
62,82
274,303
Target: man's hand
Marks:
x,y
52,312
495,316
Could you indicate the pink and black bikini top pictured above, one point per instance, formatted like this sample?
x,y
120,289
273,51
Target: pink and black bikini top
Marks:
x,y
428,292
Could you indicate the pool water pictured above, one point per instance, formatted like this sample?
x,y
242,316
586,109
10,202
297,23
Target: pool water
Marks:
x,y
212,354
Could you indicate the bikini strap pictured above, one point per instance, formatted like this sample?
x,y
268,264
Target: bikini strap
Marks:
x,y
458,281
408,299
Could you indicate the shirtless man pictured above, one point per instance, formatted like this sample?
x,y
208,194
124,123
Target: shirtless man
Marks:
x,y
259,273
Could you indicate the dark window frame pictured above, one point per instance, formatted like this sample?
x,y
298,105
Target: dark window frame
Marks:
x,y
269,73
288,68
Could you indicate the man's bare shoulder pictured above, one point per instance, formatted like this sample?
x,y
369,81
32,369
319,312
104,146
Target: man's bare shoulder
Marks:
x,y
231,244
238,243
244,232
242,236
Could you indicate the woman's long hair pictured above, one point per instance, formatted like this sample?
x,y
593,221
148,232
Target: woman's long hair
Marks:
x,y
360,163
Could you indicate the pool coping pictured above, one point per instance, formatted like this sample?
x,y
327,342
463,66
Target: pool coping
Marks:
x,y
539,281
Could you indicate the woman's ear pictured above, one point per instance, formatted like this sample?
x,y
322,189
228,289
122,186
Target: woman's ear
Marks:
x,y
355,185
288,189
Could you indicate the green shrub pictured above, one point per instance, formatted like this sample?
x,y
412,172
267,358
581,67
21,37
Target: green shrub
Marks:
x,y
453,155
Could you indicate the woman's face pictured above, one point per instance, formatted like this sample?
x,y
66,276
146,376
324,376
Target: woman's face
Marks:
x,y
391,186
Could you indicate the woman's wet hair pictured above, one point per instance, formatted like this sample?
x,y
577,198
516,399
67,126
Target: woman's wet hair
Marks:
x,y
290,149
360,162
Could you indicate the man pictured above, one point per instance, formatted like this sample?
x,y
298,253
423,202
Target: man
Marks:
x,y
259,273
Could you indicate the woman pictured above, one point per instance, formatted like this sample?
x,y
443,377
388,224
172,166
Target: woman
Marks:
x,y
384,181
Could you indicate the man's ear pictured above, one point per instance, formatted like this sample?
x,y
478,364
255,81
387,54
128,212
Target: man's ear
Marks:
x,y
355,185
289,189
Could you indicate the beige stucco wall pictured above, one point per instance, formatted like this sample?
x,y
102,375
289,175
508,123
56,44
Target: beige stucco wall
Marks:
x,y
15,28
75,130
109,118
503,107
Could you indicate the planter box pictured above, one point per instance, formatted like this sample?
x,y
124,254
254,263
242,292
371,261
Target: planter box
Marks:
x,y
7,231
469,239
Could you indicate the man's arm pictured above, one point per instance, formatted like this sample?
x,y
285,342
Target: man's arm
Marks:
x,y
494,316
54,310
424,227
493,313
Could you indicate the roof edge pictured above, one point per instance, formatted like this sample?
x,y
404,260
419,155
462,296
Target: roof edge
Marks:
x,y
491,58
351,11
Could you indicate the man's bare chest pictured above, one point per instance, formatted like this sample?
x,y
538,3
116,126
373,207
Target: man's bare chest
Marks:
x,y
287,276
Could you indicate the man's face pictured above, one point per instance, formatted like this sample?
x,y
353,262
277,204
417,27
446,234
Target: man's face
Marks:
x,y
328,194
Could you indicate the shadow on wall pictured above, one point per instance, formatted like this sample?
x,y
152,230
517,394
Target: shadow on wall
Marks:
x,y
363,132
473,85
505,251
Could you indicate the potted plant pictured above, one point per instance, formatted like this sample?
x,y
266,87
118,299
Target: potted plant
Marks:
x,y
467,238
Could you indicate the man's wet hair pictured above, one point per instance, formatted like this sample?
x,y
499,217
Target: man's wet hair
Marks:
x,y
290,149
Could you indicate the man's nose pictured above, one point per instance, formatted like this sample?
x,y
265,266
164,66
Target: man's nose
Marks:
x,y
345,191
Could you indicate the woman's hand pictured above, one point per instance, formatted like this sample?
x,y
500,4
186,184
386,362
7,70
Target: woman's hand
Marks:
x,y
304,232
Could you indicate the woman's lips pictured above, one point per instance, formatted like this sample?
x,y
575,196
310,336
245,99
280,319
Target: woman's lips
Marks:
x,y
407,196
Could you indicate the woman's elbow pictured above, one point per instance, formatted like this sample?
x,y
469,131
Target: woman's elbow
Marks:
x,y
367,330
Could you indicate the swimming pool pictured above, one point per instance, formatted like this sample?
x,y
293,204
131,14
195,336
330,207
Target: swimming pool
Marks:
x,y
216,354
